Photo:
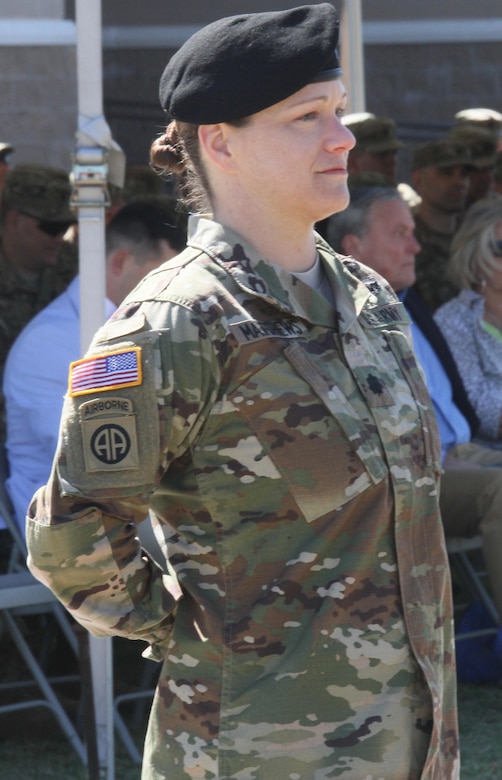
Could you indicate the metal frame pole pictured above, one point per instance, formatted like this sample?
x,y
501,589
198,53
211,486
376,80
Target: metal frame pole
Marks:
x,y
352,55
90,199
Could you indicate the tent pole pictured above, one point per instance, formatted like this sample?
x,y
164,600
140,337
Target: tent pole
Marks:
x,y
352,55
90,198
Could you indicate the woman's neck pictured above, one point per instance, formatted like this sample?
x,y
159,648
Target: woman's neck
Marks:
x,y
277,238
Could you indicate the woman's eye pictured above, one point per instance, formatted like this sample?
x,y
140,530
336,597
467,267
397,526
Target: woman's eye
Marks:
x,y
308,117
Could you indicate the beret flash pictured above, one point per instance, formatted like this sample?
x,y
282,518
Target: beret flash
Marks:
x,y
242,64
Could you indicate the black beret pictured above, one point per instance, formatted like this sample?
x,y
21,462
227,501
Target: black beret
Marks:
x,y
243,64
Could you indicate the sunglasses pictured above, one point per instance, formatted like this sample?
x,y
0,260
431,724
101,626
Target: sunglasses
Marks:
x,y
53,228
49,227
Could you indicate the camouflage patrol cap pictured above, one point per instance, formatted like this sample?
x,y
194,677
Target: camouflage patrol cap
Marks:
x,y
480,142
39,191
442,153
141,181
373,134
481,117
5,149
239,65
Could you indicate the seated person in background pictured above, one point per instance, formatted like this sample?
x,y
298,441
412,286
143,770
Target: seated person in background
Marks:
x,y
377,228
34,216
140,236
440,176
471,322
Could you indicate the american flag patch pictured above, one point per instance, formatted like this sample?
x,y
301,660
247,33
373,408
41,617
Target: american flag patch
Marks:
x,y
105,372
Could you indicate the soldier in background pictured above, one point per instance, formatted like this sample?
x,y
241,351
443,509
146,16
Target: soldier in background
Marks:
x,y
440,175
487,118
482,147
376,145
375,154
34,216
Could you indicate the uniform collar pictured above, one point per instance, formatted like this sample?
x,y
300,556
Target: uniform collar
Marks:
x,y
276,285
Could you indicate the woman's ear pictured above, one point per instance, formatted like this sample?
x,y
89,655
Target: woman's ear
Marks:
x,y
214,143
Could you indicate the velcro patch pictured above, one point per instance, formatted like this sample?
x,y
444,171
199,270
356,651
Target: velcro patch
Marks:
x,y
110,371
254,330
105,407
110,445
392,314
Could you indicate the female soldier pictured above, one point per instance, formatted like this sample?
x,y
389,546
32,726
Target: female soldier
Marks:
x,y
258,395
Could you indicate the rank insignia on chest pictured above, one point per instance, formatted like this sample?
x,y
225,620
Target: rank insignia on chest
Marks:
x,y
109,371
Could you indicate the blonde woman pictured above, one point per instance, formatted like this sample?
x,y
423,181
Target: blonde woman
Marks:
x,y
472,321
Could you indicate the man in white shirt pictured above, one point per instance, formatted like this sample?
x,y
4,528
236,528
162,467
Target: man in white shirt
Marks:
x,y
141,236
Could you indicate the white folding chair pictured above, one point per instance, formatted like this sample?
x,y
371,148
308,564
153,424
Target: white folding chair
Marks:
x,y
18,591
17,587
22,594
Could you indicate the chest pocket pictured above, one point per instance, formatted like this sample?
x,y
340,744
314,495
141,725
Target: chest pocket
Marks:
x,y
320,435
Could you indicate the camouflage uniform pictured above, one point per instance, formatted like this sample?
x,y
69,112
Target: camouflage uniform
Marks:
x,y
305,619
432,282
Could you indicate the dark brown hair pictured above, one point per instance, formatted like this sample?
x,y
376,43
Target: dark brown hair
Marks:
x,y
177,152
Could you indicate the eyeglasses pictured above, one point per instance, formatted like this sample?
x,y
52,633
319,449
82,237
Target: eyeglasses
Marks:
x,y
497,248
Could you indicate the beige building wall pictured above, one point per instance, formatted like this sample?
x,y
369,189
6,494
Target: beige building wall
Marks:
x,y
387,10
424,61
37,81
